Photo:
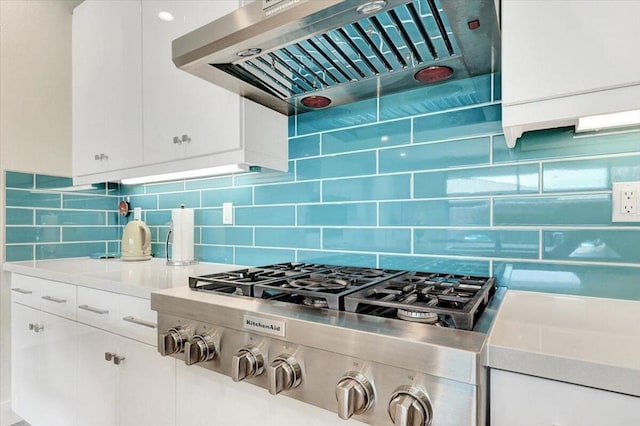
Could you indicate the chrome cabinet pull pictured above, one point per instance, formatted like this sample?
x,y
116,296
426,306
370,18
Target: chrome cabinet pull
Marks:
x,y
117,359
108,356
140,322
54,299
21,291
36,327
101,157
94,310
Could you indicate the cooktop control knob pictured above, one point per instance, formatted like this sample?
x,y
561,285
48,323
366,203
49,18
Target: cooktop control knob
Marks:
x,y
199,349
354,393
410,406
284,373
173,341
247,362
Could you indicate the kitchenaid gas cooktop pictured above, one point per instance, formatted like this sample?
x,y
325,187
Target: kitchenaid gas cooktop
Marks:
x,y
382,346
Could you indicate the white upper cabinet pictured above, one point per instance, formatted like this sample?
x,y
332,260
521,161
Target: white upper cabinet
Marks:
x,y
567,59
107,86
176,103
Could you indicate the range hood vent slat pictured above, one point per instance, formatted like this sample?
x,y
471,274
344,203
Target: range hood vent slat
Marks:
x,y
422,30
441,26
356,49
372,46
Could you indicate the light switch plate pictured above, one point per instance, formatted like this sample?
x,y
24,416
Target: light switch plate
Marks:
x,y
227,213
624,202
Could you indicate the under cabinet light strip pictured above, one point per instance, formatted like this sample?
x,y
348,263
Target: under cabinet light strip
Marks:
x,y
210,171
608,121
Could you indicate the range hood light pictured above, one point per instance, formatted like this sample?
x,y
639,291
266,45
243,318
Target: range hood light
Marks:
x,y
165,16
371,7
315,102
433,74
210,171
608,121
249,52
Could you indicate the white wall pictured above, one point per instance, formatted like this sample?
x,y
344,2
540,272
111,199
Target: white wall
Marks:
x,y
35,115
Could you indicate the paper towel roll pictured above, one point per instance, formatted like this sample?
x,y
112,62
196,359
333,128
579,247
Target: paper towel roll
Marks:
x,y
182,235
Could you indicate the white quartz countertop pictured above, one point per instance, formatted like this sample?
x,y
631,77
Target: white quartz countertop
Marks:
x,y
125,277
583,340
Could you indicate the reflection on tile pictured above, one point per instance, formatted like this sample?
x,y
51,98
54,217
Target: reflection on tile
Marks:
x,y
477,243
15,253
291,125
207,217
589,175
89,202
435,155
365,260
261,256
267,176
174,201
131,189
432,264
356,214
19,180
367,239
478,181
562,142
368,188
145,202
284,215
89,233
435,213
288,237
17,198
352,114
231,236
53,182
463,123
216,254
69,217
306,146
622,246
593,209
497,86
440,97
157,188
237,196
587,280
361,163
367,137
18,216
158,217
31,234
305,192
210,183
64,250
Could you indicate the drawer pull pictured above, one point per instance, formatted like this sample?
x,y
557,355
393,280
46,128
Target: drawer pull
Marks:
x,y
140,322
54,299
92,309
21,291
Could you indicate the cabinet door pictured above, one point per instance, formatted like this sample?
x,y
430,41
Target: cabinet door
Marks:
x,y
107,86
97,378
57,370
27,395
146,393
176,103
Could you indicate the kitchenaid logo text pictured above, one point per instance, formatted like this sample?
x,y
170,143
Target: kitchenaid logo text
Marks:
x,y
264,325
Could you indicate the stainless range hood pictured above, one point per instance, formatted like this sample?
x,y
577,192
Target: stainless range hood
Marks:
x,y
298,55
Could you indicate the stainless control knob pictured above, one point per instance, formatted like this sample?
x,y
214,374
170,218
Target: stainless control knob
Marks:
x,y
284,373
173,341
354,393
199,349
246,363
410,406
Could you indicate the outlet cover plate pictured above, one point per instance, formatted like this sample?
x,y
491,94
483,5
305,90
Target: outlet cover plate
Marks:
x,y
227,213
624,202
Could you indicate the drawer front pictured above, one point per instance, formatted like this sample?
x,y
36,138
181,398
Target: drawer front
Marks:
x,y
58,298
137,321
26,290
98,308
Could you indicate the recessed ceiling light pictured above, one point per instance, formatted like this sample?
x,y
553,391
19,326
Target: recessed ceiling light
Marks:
x,y
165,16
371,7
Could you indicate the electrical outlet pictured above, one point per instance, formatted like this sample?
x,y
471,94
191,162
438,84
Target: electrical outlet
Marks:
x,y
227,213
624,197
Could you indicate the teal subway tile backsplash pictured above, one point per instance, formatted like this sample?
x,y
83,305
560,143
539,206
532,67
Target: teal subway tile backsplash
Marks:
x,y
440,155
418,180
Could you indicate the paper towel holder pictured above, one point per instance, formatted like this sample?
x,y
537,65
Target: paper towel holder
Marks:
x,y
166,250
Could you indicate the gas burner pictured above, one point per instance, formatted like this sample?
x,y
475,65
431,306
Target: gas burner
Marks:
x,y
314,283
315,303
417,316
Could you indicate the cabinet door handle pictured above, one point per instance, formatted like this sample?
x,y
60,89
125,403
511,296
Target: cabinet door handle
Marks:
x,y
176,140
140,322
54,299
36,327
108,356
186,138
117,359
21,291
100,157
94,310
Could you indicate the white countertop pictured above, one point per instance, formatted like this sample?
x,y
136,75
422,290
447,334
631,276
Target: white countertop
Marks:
x,y
132,278
583,340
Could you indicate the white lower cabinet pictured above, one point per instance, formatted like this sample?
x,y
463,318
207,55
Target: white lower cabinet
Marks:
x,y
140,390
521,400
43,367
